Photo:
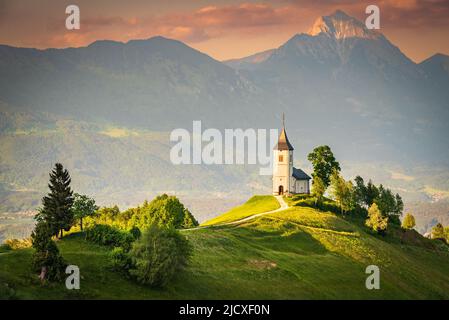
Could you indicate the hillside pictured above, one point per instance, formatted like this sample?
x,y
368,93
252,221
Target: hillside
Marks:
x,y
299,253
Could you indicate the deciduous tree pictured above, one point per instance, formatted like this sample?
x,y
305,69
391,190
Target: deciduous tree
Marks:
x,y
324,163
375,220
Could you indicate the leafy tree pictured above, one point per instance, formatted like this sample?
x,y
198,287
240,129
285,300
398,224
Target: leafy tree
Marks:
x,y
324,163
375,220
438,232
46,258
83,207
158,255
389,204
342,191
165,211
408,222
446,233
318,189
57,205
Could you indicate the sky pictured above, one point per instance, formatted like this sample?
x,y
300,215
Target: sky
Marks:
x,y
223,29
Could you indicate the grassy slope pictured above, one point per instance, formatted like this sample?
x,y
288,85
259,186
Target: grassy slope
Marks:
x,y
255,205
294,254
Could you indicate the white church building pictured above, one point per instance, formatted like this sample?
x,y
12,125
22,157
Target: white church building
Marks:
x,y
286,178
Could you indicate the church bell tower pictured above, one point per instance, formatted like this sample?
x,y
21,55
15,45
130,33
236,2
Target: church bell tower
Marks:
x,y
283,164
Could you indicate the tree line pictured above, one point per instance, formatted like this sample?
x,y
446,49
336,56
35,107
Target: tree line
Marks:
x,y
380,205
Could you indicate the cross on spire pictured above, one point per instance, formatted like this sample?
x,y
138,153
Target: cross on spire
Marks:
x,y
283,120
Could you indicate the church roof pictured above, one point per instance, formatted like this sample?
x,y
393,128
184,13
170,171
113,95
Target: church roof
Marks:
x,y
283,143
300,175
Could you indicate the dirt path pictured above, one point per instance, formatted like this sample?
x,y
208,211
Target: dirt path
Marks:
x,y
280,199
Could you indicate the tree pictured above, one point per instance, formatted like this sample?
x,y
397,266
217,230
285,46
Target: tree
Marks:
x,y
372,192
342,191
318,189
408,222
57,205
46,258
375,220
324,163
165,211
158,255
83,207
438,232
360,192
390,205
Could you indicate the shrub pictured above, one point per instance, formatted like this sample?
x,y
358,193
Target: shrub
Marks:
x,y
109,236
120,260
15,244
158,255
4,248
6,292
135,232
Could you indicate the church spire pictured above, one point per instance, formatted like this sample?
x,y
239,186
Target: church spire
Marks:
x,y
283,143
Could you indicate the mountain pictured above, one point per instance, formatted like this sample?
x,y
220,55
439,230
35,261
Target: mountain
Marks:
x,y
298,253
350,77
106,111
138,83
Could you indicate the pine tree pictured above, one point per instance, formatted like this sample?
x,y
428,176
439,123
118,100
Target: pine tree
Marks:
x,y
57,205
46,258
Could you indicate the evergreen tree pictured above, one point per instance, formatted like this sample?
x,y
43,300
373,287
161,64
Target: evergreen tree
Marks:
x,y
46,258
408,222
57,205
360,192
375,220
372,192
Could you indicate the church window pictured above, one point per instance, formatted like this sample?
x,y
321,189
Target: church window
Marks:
x,y
281,158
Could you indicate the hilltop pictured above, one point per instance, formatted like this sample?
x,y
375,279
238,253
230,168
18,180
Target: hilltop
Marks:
x,y
297,253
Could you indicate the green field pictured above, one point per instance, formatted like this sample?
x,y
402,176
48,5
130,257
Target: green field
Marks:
x,y
255,205
299,253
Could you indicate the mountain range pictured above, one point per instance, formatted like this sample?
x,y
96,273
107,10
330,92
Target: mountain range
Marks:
x,y
106,110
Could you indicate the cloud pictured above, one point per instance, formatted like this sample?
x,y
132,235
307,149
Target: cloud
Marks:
x,y
213,21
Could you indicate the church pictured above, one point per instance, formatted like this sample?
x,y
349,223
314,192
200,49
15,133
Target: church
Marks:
x,y
286,178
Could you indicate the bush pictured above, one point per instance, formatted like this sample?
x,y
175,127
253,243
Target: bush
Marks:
x,y
158,255
6,292
135,232
15,244
5,248
120,260
109,236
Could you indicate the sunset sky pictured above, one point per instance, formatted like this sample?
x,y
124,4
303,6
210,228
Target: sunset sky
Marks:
x,y
222,29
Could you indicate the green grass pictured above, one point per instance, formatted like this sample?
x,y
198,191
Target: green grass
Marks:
x,y
299,253
255,205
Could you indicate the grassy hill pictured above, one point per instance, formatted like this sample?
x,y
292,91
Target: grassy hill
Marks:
x,y
299,253
255,205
